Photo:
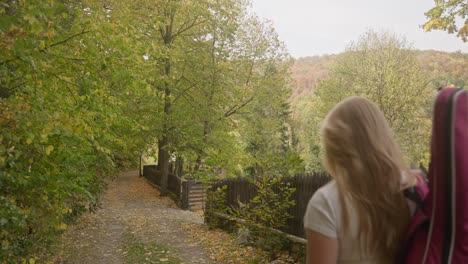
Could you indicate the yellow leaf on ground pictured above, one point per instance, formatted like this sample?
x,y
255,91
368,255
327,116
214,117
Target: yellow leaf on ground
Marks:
x,y
62,226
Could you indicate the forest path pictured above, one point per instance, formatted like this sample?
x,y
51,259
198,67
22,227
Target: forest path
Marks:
x,y
134,225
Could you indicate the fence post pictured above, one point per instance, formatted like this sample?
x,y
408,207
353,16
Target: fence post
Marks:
x,y
185,194
140,173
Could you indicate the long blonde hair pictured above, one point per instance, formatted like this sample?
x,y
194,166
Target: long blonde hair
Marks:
x,y
367,165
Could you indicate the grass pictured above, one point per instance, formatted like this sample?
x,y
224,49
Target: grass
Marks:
x,y
135,251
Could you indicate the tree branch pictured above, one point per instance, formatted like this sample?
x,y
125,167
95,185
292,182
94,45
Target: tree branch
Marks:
x,y
194,23
66,40
236,108
185,92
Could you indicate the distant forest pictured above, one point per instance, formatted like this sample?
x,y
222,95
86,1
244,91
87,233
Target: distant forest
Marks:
x,y
392,74
445,69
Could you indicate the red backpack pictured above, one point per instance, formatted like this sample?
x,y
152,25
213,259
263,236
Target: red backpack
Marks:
x,y
438,232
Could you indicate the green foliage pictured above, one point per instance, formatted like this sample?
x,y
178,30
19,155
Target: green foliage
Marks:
x,y
262,216
216,203
64,124
442,69
219,70
86,87
268,135
446,15
382,68
266,213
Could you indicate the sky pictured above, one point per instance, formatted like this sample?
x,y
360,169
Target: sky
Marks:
x,y
317,27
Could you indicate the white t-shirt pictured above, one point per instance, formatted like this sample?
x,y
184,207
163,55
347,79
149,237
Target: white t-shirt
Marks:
x,y
323,215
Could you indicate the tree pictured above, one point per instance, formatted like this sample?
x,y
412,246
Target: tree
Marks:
x,y
218,96
169,33
446,15
381,67
265,122
213,61
64,123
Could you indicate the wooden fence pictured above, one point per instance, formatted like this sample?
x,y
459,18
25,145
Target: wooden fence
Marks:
x,y
240,189
194,195
187,194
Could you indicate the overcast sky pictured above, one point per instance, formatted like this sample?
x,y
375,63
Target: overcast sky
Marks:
x,y
316,27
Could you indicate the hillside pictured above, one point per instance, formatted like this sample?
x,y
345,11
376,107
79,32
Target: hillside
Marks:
x,y
307,71
442,67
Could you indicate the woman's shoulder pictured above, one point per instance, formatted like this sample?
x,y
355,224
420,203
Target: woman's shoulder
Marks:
x,y
328,191
321,214
326,197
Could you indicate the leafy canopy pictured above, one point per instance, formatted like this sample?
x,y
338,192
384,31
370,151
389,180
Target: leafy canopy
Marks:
x,y
449,15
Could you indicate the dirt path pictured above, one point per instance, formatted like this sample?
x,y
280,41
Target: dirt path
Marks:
x,y
135,225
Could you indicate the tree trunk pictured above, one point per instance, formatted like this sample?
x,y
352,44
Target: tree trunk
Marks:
x,y
163,163
206,131
160,155
163,144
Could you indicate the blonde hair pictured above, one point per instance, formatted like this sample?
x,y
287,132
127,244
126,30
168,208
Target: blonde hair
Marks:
x,y
367,165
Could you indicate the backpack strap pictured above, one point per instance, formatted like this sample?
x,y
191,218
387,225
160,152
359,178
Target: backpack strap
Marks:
x,y
420,219
418,192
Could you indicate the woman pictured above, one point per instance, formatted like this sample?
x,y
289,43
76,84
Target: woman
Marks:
x,y
360,216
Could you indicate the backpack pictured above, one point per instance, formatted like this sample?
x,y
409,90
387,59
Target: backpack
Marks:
x,y
438,232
